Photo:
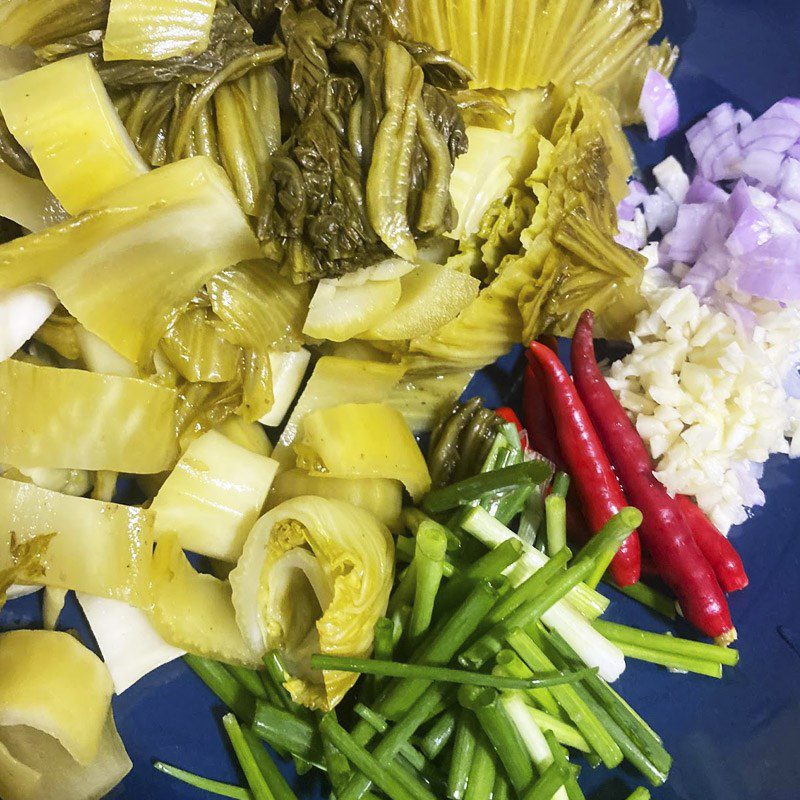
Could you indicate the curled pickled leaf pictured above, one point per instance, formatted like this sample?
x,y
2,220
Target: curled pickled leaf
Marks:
x,y
99,548
314,576
362,440
57,732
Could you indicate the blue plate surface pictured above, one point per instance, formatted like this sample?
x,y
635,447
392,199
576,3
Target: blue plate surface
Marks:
x,y
734,739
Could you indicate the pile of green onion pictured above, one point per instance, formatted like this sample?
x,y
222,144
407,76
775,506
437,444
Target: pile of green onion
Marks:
x,y
473,693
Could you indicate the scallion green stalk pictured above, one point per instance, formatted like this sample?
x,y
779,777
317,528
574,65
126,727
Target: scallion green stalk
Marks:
x,y
470,489
648,597
407,750
482,771
224,685
439,734
672,645
428,557
673,661
252,773
277,784
555,512
206,784
462,757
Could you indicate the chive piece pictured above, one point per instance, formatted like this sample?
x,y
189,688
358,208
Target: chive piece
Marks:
x,y
551,780
428,557
565,733
677,662
249,679
390,744
665,643
559,757
366,763
488,567
514,502
463,753
336,765
255,780
630,748
639,793
224,685
648,597
501,790
439,734
501,732
463,492
283,730
482,771
574,706
395,669
404,591
382,650
528,613
404,548
206,784
439,647
555,512
272,775
508,662
627,719
603,546
407,750
560,484
413,518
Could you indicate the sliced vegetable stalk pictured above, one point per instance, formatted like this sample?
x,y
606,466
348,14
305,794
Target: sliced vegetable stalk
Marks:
x,y
336,380
124,268
193,611
99,548
72,419
288,370
153,30
213,496
62,115
27,201
22,312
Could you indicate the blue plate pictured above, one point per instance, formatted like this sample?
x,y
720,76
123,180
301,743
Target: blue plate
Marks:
x,y
734,739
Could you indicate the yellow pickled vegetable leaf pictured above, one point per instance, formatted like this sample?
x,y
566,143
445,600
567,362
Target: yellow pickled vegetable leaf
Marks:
x,y
43,21
336,380
343,312
26,558
382,497
196,347
72,419
27,201
126,268
98,548
422,398
431,295
57,733
152,30
288,370
514,44
314,577
62,115
249,435
213,496
193,611
362,440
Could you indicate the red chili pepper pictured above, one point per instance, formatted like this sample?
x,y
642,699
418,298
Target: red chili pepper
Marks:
x,y
509,415
538,419
586,461
664,531
719,552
